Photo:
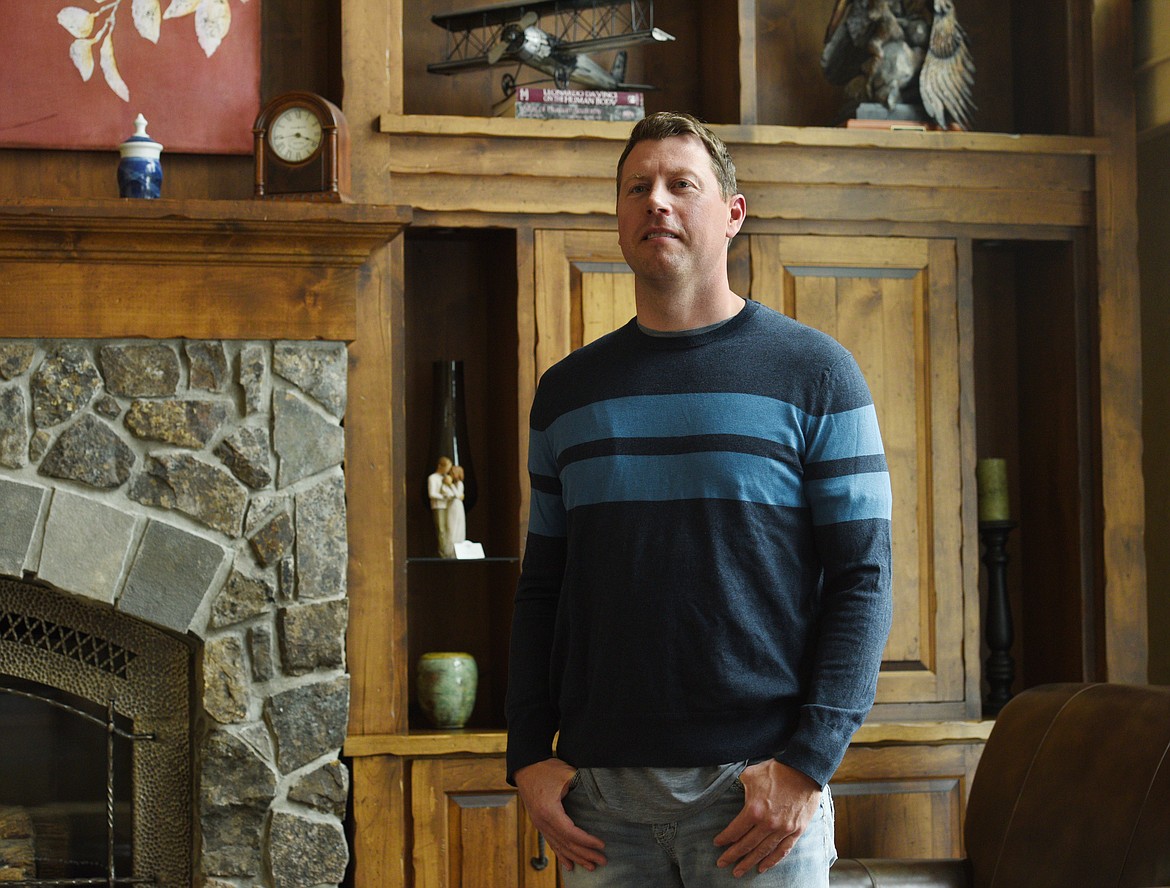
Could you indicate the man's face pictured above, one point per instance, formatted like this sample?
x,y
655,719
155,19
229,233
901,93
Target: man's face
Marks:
x,y
673,224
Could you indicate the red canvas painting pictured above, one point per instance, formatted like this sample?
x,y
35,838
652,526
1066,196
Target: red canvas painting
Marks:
x,y
75,73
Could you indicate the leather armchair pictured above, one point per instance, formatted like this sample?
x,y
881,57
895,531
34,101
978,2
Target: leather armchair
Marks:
x,y
1072,790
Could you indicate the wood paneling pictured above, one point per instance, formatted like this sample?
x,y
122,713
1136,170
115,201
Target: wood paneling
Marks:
x,y
374,439
893,303
555,166
471,830
379,822
551,183
200,269
575,272
903,801
1123,631
1057,465
1151,32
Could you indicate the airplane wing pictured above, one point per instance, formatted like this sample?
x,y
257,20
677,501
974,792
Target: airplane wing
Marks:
x,y
579,26
616,41
454,66
507,13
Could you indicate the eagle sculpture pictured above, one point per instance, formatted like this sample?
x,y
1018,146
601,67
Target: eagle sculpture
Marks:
x,y
895,52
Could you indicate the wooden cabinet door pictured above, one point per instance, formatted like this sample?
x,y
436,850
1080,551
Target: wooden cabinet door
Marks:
x,y
584,289
903,801
893,303
471,830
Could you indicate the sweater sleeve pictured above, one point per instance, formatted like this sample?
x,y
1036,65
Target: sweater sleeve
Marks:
x,y
531,713
847,486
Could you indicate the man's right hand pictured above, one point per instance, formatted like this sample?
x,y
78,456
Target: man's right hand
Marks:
x,y
543,786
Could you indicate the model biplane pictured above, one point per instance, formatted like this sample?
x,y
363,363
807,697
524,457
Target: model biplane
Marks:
x,y
554,37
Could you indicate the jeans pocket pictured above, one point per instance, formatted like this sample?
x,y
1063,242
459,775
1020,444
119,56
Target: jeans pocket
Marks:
x,y
830,825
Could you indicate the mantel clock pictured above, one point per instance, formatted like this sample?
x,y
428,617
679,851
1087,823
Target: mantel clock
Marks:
x,y
301,149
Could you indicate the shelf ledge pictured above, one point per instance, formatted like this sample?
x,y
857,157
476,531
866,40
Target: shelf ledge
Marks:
x,y
740,134
473,742
419,743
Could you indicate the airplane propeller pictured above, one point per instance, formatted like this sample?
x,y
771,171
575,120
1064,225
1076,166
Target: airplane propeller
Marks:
x,y
509,36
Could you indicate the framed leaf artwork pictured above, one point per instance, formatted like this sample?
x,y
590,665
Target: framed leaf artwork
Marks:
x,y
77,72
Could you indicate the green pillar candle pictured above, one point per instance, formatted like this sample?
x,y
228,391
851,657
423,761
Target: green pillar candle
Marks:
x,y
992,484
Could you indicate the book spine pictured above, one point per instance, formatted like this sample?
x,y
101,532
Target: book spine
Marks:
x,y
560,111
579,96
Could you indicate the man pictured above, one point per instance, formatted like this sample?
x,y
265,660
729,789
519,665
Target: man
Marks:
x,y
705,593
440,500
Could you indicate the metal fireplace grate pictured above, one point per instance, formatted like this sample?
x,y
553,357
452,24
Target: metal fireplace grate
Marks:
x,y
142,677
112,731
67,641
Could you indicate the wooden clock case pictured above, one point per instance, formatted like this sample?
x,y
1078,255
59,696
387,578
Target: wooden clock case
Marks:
x,y
324,175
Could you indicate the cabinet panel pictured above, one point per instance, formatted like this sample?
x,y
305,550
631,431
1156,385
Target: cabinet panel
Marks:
x,y
584,289
471,830
903,801
379,821
892,302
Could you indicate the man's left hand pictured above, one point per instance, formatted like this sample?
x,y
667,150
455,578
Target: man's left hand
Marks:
x,y
779,803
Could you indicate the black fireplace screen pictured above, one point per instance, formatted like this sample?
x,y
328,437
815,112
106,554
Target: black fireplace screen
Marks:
x,y
66,801
95,762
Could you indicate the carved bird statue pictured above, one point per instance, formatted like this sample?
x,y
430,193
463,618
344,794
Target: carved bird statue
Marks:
x,y
902,52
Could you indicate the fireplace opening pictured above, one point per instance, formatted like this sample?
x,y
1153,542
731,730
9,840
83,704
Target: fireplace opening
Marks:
x,y
95,744
66,798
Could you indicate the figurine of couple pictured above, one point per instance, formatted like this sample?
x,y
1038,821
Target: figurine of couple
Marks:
x,y
445,490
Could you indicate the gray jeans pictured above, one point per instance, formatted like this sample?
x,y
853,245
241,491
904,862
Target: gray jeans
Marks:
x,y
682,854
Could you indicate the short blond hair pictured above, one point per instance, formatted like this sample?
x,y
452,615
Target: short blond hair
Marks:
x,y
664,124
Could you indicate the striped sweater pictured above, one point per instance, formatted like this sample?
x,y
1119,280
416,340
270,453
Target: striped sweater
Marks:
x,y
707,571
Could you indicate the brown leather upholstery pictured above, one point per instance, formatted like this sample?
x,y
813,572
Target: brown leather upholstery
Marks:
x,y
1073,790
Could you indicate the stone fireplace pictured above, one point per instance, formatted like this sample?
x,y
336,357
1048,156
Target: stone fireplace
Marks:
x,y
196,487
174,549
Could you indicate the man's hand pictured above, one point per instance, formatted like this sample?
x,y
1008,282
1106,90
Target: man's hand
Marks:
x,y
542,787
779,803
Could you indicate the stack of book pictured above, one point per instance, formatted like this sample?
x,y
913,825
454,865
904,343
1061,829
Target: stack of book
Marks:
x,y
572,104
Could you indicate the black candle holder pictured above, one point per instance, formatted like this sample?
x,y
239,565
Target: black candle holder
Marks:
x,y
999,668
449,428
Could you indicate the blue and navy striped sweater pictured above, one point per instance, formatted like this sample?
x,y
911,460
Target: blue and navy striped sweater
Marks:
x,y
707,572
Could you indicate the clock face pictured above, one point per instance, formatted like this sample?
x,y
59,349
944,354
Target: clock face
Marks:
x,y
295,134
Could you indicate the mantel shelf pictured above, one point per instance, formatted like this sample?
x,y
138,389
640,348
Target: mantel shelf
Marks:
x,y
736,134
800,175
193,268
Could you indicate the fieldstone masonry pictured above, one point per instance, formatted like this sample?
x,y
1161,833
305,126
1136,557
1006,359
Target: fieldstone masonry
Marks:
x,y
198,486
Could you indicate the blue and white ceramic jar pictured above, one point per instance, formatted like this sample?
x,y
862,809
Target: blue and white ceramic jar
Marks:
x,y
139,169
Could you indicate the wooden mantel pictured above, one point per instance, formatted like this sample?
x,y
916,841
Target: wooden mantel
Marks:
x,y
191,268
805,176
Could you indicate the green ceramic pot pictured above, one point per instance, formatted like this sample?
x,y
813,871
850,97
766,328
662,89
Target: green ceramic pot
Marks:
x,y
446,687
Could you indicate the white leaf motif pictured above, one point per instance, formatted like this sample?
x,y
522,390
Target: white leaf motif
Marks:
x,y
76,21
110,69
212,20
147,18
81,54
180,8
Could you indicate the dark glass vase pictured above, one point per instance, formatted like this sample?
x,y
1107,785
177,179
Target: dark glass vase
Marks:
x,y
449,436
